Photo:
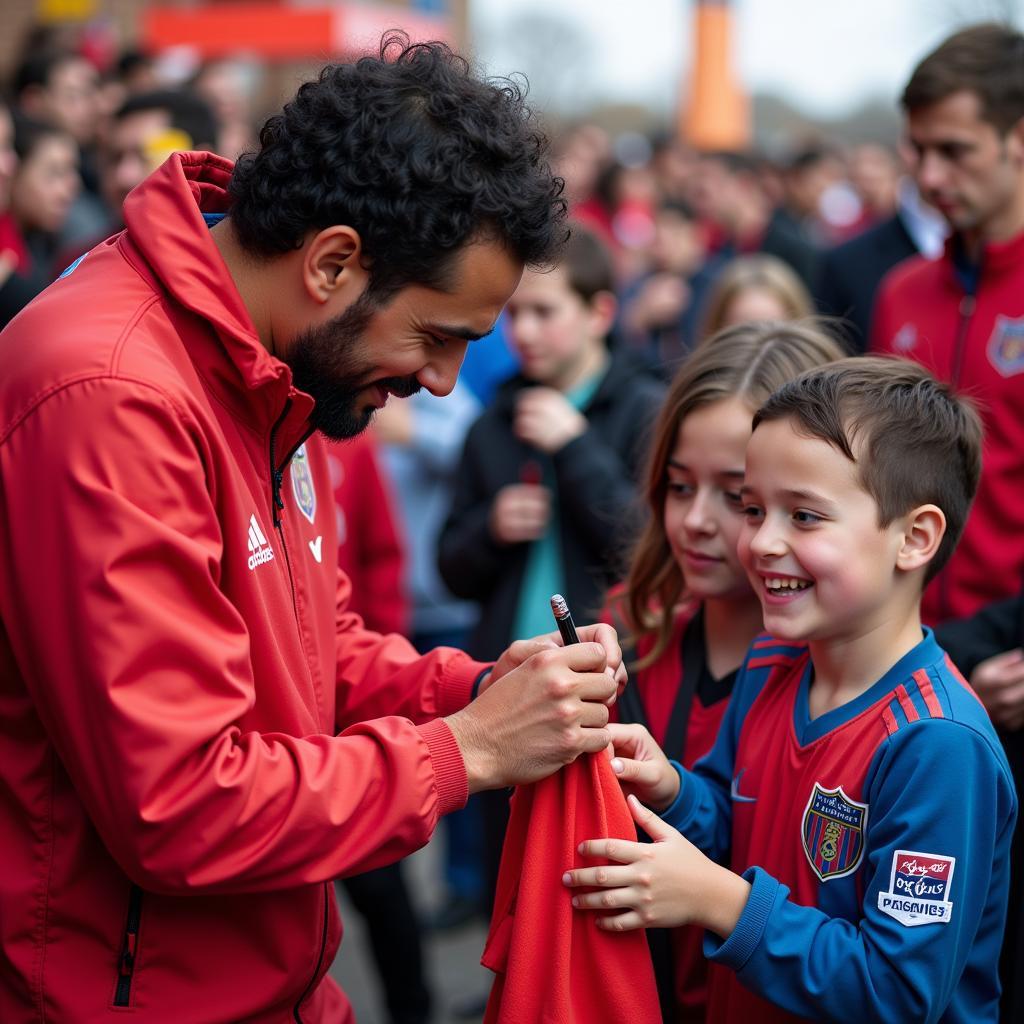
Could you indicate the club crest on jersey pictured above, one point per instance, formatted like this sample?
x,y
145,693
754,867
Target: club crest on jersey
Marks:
x,y
833,832
302,483
919,888
1006,346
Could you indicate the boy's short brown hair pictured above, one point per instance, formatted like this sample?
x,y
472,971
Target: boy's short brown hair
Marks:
x,y
914,442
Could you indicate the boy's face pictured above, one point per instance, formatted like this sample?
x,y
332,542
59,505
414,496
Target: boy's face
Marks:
x,y
811,544
552,329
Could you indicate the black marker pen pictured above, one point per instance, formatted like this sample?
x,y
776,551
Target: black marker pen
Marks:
x,y
566,628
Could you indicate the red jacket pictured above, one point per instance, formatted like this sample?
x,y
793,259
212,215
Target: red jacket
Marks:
x,y
977,343
370,551
176,654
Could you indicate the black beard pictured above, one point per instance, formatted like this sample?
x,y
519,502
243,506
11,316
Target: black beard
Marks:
x,y
326,363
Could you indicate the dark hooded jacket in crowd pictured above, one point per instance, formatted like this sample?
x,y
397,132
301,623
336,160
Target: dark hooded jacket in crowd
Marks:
x,y
597,500
999,627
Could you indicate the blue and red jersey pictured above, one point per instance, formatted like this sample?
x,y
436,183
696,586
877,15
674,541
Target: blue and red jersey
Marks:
x,y
875,837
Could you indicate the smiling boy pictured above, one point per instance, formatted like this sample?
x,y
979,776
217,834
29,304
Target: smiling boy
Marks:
x,y
857,790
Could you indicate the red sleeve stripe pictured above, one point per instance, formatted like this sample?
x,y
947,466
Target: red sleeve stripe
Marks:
x,y
889,718
770,659
906,703
924,684
765,641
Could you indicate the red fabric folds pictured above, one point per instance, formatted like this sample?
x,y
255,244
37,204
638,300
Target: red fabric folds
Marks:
x,y
553,964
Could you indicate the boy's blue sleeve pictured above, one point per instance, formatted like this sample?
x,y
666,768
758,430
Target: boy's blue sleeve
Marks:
x,y
702,810
942,810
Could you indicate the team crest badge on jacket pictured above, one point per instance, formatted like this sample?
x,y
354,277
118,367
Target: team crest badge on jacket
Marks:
x,y
919,888
302,484
1006,346
833,832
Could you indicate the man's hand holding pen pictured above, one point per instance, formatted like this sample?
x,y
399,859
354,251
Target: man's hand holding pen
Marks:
x,y
543,705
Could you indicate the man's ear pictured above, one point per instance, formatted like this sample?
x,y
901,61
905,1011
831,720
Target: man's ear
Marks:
x,y
923,531
332,265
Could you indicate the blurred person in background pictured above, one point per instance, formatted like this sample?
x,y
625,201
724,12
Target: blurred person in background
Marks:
x,y
136,72
850,273
754,288
620,212
421,439
808,176
731,193
62,88
371,553
43,187
673,165
144,130
660,308
230,86
578,157
874,172
16,290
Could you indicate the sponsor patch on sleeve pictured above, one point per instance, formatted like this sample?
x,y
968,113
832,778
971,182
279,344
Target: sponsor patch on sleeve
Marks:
x,y
919,888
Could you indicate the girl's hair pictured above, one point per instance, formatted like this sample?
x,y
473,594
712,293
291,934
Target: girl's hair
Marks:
x,y
748,361
763,272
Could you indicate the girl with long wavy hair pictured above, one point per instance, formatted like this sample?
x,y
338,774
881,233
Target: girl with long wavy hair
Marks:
x,y
687,610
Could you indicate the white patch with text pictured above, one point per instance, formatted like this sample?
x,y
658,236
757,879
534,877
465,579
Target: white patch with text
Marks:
x,y
919,889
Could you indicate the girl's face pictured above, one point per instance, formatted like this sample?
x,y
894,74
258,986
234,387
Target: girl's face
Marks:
x,y
703,511
752,304
46,184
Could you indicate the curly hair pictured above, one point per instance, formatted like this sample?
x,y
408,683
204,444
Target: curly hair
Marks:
x,y
413,151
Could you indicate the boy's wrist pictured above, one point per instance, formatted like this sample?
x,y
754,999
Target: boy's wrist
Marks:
x,y
724,896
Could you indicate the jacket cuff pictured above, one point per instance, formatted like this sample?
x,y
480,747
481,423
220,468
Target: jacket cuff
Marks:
x,y
738,948
676,813
456,686
449,768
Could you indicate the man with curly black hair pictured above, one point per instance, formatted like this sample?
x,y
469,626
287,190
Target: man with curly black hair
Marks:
x,y
191,740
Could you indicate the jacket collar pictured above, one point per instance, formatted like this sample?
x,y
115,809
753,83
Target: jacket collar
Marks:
x,y
996,257
164,221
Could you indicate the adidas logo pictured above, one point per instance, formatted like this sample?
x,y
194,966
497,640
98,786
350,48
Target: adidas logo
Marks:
x,y
258,545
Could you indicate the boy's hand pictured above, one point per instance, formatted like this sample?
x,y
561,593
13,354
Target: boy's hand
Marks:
x,y
520,513
546,419
999,683
662,884
642,767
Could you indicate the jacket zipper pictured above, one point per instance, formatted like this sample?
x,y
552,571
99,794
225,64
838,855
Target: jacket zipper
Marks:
x,y
277,505
319,960
276,499
129,948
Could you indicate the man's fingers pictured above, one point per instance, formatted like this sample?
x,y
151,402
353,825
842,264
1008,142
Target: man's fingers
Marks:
x,y
594,715
594,740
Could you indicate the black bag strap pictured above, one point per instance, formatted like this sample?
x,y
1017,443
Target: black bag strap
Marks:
x,y
693,668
